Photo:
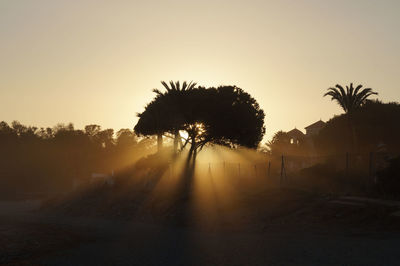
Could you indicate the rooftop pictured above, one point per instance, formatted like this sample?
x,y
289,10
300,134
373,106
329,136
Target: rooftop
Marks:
x,y
317,124
295,133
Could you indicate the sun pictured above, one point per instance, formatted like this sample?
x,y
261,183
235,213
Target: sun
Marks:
x,y
197,128
184,135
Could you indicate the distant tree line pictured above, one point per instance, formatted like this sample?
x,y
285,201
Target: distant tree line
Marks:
x,y
49,159
374,127
358,149
365,126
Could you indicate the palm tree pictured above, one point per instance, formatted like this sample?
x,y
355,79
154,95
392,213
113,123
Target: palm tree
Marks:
x,y
351,98
175,89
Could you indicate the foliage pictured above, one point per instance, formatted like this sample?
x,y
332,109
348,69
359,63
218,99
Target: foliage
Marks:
x,y
388,179
175,88
126,137
234,117
225,115
352,98
49,159
375,126
163,113
279,144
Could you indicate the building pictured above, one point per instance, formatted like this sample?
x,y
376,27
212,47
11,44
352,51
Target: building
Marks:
x,y
295,136
298,138
314,128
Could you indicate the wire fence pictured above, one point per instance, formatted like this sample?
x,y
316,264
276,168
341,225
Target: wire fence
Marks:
x,y
238,169
287,166
335,173
366,163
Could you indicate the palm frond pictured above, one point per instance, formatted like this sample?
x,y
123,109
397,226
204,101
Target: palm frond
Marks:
x,y
357,89
351,89
364,94
158,92
341,89
165,85
192,85
351,98
172,85
184,86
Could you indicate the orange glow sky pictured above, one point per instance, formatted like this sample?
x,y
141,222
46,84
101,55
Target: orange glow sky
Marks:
x,y
97,61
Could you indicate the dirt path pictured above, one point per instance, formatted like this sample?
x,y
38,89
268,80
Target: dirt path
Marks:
x,y
31,238
142,245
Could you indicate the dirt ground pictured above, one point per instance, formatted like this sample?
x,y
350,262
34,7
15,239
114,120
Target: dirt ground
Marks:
x,y
290,228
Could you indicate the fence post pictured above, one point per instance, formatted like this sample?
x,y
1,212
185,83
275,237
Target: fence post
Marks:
x,y
347,164
269,169
371,168
283,171
209,168
239,169
255,169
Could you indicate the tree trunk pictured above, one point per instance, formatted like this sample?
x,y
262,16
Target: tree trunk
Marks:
x,y
159,142
194,156
176,141
180,143
193,148
351,122
355,139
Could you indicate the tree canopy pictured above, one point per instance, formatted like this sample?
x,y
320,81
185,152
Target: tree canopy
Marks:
x,y
351,98
34,159
226,115
375,125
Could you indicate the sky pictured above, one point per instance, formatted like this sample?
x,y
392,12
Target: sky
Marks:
x,y
96,62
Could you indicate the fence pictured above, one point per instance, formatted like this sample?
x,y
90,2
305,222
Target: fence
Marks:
x,y
364,163
230,169
286,167
338,173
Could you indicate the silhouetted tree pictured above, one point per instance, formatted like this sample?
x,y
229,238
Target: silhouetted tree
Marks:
x,y
173,97
153,120
225,115
279,144
175,88
165,113
376,124
126,137
230,117
49,159
351,98
105,138
92,131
